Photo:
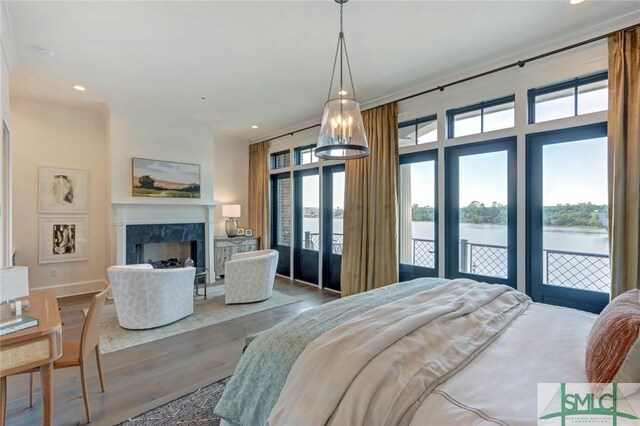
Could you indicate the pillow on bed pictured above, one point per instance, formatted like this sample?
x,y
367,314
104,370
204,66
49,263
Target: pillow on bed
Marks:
x,y
613,348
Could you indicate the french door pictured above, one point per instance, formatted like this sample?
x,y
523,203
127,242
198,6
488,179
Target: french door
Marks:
x,y
281,214
333,215
567,217
480,211
306,225
418,215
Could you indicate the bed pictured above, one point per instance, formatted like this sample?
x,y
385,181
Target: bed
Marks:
x,y
427,351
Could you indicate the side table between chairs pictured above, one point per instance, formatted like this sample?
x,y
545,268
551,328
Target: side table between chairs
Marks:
x,y
201,273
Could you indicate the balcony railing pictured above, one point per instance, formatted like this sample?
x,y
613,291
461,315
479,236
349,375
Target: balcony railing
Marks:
x,y
311,241
587,271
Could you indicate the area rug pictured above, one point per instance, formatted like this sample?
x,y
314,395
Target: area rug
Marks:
x,y
194,409
205,312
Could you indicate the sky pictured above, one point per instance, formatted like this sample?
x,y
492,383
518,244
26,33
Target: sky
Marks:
x,y
573,172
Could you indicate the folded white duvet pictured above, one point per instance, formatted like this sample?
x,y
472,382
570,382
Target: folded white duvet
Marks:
x,y
378,367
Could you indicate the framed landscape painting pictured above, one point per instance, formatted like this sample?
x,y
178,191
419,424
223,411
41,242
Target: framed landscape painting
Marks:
x,y
165,179
63,239
62,190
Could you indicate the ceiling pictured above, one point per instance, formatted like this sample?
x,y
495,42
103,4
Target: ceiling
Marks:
x,y
269,62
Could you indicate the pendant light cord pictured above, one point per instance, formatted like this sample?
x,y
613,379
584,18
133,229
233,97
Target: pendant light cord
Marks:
x,y
340,47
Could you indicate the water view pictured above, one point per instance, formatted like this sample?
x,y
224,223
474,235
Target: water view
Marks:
x,y
587,240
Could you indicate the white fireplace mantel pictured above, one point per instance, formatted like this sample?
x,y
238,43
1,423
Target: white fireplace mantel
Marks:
x,y
151,214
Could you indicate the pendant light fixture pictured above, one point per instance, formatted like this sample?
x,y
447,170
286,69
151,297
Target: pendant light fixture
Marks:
x,y
342,135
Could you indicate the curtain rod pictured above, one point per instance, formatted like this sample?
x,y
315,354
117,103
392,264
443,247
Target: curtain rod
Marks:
x,y
520,64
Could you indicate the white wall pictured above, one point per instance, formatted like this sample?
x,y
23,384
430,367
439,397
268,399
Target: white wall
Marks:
x,y
68,138
6,50
158,137
231,178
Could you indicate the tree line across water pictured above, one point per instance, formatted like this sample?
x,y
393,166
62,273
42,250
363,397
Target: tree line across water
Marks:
x,y
584,215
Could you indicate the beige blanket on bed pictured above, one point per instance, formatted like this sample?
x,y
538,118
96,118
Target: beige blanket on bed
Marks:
x,y
377,368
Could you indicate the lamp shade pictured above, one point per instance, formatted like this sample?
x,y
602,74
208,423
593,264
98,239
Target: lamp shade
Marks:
x,y
231,210
342,133
14,283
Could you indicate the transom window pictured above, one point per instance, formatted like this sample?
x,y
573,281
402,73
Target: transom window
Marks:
x,y
418,131
280,160
306,155
578,96
482,117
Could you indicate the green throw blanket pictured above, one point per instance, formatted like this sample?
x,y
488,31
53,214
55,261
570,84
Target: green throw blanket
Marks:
x,y
263,369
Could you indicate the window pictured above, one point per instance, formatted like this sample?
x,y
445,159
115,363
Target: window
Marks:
x,y
483,117
280,160
418,131
418,224
306,155
567,217
480,209
579,96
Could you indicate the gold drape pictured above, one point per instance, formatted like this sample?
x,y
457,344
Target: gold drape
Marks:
x,y
624,160
369,256
259,192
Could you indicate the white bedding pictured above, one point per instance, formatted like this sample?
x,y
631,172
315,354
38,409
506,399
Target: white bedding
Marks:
x,y
392,356
546,344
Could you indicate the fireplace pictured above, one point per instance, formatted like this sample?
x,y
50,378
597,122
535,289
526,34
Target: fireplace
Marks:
x,y
165,245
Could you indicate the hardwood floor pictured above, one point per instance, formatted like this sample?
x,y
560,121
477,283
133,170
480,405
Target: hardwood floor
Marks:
x,y
146,376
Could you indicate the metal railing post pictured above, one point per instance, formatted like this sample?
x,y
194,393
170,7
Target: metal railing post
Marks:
x,y
463,255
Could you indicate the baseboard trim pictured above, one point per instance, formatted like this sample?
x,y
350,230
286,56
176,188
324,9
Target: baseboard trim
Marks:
x,y
75,289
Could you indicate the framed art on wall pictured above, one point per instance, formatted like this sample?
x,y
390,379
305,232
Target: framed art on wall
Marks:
x,y
63,239
165,179
62,190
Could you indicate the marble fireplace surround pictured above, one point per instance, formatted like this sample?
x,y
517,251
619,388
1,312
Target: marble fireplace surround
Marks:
x,y
177,218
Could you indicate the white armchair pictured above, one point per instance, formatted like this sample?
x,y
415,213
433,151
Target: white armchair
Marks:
x,y
248,277
147,297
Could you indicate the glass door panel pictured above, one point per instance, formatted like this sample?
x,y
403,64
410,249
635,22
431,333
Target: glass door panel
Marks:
x,y
281,226
568,217
307,218
481,211
333,225
482,202
418,226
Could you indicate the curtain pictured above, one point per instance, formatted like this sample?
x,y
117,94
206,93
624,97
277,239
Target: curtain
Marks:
x,y
369,257
624,160
259,191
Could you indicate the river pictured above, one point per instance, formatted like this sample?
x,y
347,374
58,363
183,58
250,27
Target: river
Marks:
x,y
584,240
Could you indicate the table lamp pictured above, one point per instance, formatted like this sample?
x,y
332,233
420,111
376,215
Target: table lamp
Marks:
x,y
231,212
14,283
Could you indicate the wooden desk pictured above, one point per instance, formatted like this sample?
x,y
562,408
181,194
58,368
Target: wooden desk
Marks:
x,y
32,348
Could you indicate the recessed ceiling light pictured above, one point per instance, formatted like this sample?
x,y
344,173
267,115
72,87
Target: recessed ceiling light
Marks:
x,y
79,88
254,126
575,1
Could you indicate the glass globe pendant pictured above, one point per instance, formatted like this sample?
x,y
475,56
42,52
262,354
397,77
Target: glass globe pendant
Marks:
x,y
342,135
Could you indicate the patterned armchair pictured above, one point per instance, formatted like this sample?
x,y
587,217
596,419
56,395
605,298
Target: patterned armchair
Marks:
x,y
248,277
147,297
